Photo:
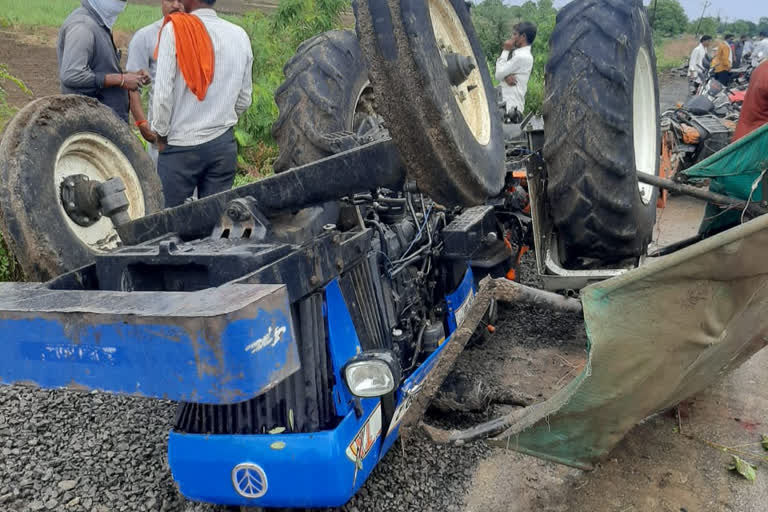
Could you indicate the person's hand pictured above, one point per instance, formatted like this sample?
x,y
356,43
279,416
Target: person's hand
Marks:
x,y
161,142
509,45
145,78
147,132
510,79
132,81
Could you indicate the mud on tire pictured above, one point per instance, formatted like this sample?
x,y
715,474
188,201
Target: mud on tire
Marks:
x,y
595,138
452,155
34,224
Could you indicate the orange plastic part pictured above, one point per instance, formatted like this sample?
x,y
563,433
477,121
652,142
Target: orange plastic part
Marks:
x,y
690,134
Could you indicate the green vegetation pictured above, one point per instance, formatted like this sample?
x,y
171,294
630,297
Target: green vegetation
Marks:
x,y
493,21
666,60
6,111
275,38
47,13
669,18
9,269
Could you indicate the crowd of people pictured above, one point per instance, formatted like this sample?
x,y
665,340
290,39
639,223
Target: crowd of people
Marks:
x,y
729,54
198,68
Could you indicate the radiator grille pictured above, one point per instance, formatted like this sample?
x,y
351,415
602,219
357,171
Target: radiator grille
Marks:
x,y
359,290
301,403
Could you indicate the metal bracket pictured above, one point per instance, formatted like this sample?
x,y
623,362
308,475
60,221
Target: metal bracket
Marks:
x,y
242,219
114,201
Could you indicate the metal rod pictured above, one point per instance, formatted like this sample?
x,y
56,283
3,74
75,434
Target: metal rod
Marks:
x,y
698,193
358,170
669,249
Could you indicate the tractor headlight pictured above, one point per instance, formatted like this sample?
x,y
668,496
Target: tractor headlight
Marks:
x,y
373,373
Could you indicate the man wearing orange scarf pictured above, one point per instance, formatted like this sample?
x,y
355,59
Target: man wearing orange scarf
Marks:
x,y
202,85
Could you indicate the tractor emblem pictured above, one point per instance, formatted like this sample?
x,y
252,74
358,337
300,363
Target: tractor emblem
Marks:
x,y
249,480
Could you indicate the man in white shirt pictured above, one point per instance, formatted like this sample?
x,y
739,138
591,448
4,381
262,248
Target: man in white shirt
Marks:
x,y
141,56
696,65
194,130
760,50
747,52
513,69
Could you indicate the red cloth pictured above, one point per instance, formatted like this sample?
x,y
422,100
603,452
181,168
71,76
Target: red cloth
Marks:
x,y
754,111
194,51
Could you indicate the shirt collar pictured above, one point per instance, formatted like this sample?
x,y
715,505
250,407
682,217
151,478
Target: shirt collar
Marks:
x,y
205,13
524,49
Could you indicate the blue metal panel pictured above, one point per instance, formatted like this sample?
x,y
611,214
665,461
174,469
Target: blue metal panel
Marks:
x,y
221,345
301,470
463,295
343,343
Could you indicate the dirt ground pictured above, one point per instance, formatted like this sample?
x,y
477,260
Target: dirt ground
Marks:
x,y
665,464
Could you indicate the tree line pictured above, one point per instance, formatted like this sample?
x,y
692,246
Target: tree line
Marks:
x,y
669,19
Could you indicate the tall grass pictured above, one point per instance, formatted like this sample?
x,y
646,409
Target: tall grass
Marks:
x,y
51,13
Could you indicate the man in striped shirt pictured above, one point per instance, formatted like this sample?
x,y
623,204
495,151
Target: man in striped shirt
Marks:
x,y
195,129
141,56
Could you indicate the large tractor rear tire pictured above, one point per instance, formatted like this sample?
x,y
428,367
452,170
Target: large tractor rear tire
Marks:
x,y
326,92
47,141
601,129
448,134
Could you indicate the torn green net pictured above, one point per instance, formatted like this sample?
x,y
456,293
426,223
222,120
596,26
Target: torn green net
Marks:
x,y
658,334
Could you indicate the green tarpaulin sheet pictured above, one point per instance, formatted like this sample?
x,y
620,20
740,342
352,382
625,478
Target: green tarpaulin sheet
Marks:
x,y
733,171
657,335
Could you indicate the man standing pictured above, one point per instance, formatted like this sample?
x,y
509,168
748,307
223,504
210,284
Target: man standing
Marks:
x,y
754,110
141,52
514,70
203,84
760,50
746,53
696,66
89,61
721,63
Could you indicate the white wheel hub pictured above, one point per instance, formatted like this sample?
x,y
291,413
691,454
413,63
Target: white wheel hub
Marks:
x,y
470,95
644,119
99,159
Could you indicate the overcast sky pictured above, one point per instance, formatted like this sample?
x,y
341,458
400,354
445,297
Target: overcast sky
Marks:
x,y
732,9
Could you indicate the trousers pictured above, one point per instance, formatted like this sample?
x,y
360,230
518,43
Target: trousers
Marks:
x,y
210,167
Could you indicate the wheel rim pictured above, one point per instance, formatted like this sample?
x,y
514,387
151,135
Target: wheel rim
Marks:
x,y
470,95
644,122
94,156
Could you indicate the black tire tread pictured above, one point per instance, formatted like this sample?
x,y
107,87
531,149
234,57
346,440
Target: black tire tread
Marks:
x,y
589,150
314,98
438,149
